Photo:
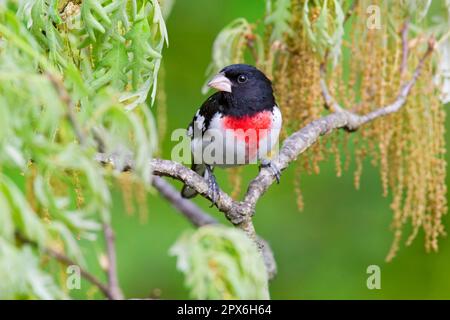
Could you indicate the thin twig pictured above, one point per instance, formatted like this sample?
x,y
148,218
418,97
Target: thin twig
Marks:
x,y
189,209
355,120
330,103
113,282
88,276
403,94
114,291
405,48
61,257
351,10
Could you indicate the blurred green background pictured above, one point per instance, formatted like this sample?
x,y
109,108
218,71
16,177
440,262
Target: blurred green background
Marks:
x,y
322,253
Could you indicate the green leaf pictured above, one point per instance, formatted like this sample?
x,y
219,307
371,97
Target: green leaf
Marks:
x,y
21,276
327,32
141,51
228,47
44,71
112,69
221,263
417,9
25,219
94,15
279,17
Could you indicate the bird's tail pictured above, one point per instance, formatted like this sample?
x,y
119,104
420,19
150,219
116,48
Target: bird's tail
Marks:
x,y
188,192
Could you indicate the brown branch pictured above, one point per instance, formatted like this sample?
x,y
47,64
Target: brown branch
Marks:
x,y
111,268
354,121
351,10
189,209
62,258
113,290
175,171
88,276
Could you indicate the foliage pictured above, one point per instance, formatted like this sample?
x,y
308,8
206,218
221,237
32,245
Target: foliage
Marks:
x,y
94,34
230,45
278,17
65,88
221,263
22,277
324,27
417,8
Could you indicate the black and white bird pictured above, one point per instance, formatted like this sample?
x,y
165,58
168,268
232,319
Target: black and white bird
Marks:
x,y
237,125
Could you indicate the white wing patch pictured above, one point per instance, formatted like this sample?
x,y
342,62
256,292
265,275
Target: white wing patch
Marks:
x,y
190,131
198,123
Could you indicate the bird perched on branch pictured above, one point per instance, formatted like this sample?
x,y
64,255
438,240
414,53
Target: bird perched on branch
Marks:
x,y
237,125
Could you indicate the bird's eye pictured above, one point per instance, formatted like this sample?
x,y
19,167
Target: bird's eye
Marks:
x,y
242,78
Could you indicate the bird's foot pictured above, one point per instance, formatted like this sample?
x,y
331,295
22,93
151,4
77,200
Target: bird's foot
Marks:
x,y
214,190
273,169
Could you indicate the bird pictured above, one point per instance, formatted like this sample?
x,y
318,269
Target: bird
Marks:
x,y
237,125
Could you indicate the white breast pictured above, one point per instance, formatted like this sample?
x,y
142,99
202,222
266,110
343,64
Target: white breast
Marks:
x,y
220,147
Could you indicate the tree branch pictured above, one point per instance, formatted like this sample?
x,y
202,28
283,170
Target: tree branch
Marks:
x,y
353,120
189,209
61,257
200,218
113,283
85,274
351,10
113,290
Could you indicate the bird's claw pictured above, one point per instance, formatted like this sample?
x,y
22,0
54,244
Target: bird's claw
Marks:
x,y
214,190
273,169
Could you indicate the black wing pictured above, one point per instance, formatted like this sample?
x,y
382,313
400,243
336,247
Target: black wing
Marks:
x,y
213,105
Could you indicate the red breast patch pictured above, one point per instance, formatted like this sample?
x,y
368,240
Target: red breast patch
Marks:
x,y
251,129
260,123
261,120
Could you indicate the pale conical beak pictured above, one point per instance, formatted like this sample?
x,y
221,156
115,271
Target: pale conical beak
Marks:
x,y
220,82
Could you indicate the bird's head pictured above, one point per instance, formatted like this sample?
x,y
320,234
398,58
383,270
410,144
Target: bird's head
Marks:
x,y
246,84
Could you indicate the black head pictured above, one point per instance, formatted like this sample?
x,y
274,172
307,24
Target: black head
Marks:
x,y
246,87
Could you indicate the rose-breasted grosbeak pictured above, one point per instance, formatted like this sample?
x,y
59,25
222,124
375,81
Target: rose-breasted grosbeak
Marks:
x,y
237,125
